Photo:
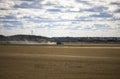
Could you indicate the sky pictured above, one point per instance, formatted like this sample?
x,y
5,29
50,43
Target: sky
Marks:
x,y
60,18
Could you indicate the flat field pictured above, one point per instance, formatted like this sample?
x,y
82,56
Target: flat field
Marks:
x,y
59,62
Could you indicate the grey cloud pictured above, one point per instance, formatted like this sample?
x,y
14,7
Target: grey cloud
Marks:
x,y
53,10
8,17
72,11
10,22
73,28
115,19
95,9
117,11
101,26
32,0
115,3
59,6
35,4
83,2
3,9
102,15
49,4
84,19
88,28
27,0
38,19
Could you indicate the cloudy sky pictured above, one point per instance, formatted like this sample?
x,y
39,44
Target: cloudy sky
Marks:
x,y
55,18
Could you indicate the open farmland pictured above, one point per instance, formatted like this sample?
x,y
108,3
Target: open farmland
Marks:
x,y
60,62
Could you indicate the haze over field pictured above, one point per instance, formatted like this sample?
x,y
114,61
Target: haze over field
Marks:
x,y
56,18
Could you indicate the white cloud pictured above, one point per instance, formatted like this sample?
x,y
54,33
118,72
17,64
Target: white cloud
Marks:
x,y
61,17
6,4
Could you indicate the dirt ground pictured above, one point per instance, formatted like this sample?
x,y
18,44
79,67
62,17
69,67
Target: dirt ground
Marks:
x,y
59,62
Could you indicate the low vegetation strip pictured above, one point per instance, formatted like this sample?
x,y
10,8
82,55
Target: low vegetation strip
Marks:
x,y
60,56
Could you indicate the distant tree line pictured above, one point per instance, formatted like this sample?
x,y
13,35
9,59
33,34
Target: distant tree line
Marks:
x,y
59,40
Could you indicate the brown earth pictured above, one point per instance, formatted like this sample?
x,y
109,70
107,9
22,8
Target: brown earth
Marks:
x,y
59,62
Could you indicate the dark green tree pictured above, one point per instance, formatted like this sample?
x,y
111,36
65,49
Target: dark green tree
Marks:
x,y
59,43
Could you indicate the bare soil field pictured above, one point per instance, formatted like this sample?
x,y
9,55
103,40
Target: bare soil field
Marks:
x,y
59,62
